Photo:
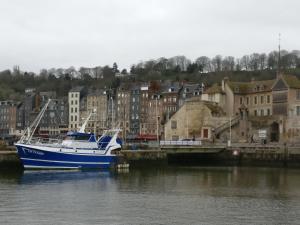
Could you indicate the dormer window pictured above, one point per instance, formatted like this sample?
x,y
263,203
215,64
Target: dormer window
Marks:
x,y
171,89
236,89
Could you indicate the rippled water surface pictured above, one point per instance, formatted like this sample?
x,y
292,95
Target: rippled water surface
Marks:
x,y
168,195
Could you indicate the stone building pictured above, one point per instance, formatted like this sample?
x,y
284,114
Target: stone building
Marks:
x,y
95,102
196,119
285,126
135,109
154,116
123,109
215,94
55,120
255,96
170,95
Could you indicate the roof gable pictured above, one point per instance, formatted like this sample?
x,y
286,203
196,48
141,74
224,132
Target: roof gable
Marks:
x,y
280,85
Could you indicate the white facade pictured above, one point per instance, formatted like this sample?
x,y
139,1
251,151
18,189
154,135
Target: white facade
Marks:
x,y
74,109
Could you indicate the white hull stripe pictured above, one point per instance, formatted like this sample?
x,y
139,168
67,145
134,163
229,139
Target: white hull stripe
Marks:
x,y
51,167
43,160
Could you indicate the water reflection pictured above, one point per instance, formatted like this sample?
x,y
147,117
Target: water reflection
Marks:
x,y
157,195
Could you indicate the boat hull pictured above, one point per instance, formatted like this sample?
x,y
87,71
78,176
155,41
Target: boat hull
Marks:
x,y
35,157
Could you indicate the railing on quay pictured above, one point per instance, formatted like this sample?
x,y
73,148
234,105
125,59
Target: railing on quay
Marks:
x,y
181,143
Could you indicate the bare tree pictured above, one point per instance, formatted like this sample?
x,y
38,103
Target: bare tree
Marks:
x,y
217,63
204,63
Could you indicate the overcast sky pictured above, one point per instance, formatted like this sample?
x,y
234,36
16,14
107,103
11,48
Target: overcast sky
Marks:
x,y
37,34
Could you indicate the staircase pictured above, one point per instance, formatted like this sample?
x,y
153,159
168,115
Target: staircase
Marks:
x,y
225,126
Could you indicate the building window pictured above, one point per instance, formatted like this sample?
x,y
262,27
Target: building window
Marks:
x,y
298,94
268,112
173,124
247,100
268,98
241,100
255,112
262,99
262,112
298,110
255,100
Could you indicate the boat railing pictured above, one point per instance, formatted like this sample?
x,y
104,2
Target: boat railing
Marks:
x,y
43,141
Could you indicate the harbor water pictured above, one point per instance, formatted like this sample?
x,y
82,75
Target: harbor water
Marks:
x,y
156,195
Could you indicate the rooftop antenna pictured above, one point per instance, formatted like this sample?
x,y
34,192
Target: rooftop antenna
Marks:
x,y
278,69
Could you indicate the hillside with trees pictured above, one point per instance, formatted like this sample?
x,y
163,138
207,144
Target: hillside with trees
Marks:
x,y
259,66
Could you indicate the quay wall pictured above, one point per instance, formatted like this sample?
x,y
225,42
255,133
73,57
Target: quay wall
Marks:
x,y
237,155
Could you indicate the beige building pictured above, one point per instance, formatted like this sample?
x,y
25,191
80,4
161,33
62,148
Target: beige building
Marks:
x,y
216,94
96,101
196,119
255,96
123,110
286,109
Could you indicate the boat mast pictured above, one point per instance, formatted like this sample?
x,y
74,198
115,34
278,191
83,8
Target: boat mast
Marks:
x,y
32,128
82,128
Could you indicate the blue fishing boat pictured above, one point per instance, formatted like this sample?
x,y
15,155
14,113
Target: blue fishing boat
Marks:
x,y
79,150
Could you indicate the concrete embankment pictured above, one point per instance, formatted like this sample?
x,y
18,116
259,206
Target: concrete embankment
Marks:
x,y
237,154
9,158
145,157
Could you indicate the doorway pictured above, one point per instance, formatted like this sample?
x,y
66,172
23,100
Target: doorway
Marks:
x,y
274,132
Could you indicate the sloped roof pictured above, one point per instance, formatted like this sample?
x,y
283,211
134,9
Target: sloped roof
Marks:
x,y
77,89
215,88
251,87
291,80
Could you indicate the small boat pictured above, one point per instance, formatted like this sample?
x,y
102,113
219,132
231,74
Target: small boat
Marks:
x,y
79,150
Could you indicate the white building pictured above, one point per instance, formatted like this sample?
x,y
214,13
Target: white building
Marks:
x,y
74,97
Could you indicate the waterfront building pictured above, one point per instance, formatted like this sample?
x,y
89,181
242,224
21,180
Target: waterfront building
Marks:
x,y
215,94
95,102
123,109
135,93
256,96
143,106
8,112
155,114
55,120
75,96
195,120
170,95
286,109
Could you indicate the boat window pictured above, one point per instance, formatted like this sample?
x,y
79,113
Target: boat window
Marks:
x,y
82,138
78,138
